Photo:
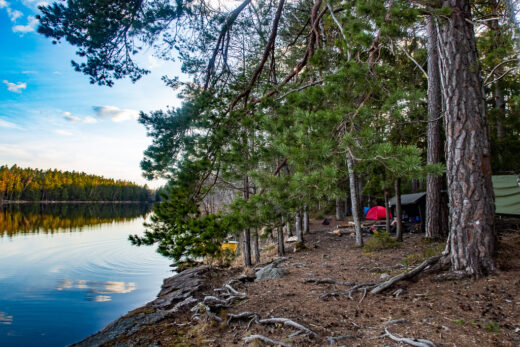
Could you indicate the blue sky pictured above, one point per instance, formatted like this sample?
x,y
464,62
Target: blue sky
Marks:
x,y
51,117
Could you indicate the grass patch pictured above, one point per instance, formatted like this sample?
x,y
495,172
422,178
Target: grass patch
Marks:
x,y
380,240
416,258
459,321
492,327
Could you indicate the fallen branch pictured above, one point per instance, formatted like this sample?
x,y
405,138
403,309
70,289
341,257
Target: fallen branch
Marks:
x,y
286,321
266,339
411,341
405,275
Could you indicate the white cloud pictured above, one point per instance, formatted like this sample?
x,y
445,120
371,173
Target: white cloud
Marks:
x,y
116,114
14,14
71,118
90,120
14,151
57,73
29,72
15,88
6,124
3,4
32,22
63,132
154,63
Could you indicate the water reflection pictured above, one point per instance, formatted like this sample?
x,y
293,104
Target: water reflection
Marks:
x,y
98,291
63,286
51,218
5,319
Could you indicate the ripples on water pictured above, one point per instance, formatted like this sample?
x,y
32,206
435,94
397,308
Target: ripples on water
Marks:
x,y
65,274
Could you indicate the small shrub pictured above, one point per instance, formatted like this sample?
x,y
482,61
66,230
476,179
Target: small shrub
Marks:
x,y
458,321
381,240
492,327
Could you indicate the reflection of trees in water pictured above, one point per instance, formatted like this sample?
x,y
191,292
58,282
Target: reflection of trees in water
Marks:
x,y
51,218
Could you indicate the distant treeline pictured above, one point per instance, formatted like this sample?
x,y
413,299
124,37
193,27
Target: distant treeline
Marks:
x,y
53,185
51,218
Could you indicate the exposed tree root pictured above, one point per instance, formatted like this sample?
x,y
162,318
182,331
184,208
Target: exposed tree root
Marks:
x,y
289,322
411,341
242,315
333,340
327,281
266,339
405,275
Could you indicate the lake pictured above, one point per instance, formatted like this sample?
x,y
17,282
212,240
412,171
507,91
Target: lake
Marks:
x,y
67,270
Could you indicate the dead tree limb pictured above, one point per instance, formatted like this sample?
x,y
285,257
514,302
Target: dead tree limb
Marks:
x,y
265,56
223,32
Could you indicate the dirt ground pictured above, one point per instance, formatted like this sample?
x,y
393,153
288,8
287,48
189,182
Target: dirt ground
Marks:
x,y
484,312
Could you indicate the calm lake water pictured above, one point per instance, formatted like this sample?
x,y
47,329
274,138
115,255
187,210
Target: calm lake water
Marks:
x,y
67,270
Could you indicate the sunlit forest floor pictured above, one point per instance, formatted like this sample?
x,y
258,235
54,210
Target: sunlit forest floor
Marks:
x,y
484,312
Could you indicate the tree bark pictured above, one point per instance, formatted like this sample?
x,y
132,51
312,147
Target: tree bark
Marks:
x,y
473,238
305,219
354,197
299,227
398,210
387,212
247,232
434,153
339,209
281,248
256,248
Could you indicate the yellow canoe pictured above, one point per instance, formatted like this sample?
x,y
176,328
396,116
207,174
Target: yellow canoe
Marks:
x,y
231,246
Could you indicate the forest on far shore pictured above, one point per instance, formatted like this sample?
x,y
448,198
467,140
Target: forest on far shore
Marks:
x,y
26,184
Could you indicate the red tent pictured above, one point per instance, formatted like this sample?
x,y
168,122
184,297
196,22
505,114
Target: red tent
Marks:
x,y
377,212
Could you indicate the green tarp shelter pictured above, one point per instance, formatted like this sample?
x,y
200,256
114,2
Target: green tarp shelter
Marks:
x,y
507,194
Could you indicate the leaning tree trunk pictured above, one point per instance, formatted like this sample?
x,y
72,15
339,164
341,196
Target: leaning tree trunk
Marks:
x,y
435,147
354,197
472,235
398,210
387,208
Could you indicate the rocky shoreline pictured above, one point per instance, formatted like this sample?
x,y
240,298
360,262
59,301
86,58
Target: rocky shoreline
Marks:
x,y
178,293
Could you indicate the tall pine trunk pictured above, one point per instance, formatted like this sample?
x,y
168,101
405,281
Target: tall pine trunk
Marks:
x,y
299,227
354,197
398,210
435,147
281,247
339,209
472,235
256,247
247,232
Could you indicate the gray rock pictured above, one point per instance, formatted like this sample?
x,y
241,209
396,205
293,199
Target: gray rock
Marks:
x,y
270,272
384,276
